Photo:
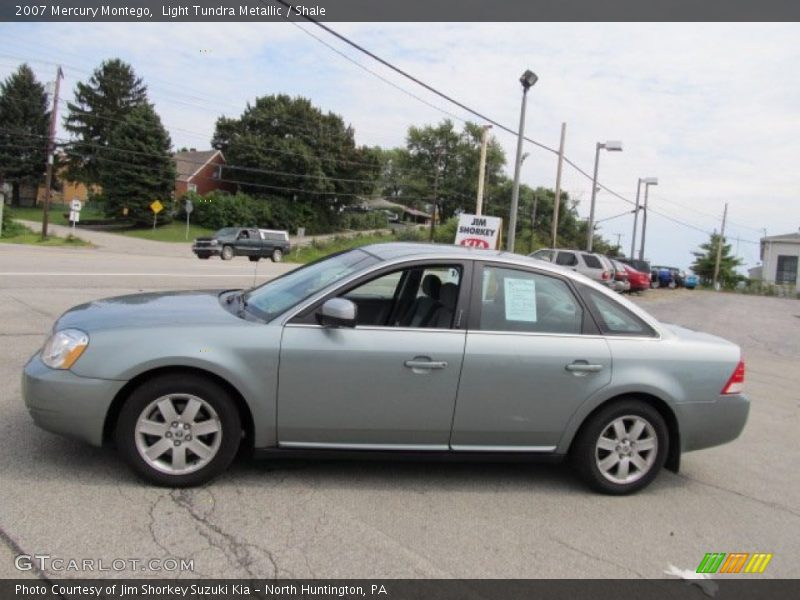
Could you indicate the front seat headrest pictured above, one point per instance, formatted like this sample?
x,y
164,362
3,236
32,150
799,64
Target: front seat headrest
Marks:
x,y
431,286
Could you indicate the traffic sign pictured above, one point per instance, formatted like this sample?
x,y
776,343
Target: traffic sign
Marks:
x,y
75,205
74,216
156,206
188,207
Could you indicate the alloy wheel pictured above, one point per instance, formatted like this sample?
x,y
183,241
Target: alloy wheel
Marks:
x,y
626,449
178,434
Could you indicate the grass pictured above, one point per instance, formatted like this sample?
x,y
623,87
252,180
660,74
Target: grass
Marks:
x,y
56,215
306,254
171,232
23,235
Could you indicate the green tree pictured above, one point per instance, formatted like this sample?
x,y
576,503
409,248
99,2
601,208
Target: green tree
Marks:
x,y
101,104
24,126
442,157
706,257
137,167
289,153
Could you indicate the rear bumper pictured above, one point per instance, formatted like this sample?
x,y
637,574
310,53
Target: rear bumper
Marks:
x,y
707,424
63,403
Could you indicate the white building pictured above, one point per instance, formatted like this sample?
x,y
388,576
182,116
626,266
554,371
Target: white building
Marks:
x,y
780,255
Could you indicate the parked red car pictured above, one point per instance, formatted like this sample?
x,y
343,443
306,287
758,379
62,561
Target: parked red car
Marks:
x,y
639,281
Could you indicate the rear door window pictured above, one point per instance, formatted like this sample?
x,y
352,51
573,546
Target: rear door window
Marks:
x,y
522,301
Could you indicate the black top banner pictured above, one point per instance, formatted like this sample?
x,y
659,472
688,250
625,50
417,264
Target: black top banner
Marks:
x,y
399,10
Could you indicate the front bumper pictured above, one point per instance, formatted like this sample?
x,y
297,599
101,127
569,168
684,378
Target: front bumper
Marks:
x,y
707,424
207,250
64,403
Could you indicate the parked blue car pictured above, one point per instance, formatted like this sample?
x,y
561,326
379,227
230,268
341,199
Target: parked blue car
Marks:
x,y
691,282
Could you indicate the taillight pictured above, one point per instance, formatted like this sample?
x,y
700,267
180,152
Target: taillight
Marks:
x,y
735,384
604,276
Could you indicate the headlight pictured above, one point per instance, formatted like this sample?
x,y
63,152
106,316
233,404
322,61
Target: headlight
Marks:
x,y
214,242
63,348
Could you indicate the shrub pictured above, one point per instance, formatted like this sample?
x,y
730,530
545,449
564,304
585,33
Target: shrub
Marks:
x,y
10,227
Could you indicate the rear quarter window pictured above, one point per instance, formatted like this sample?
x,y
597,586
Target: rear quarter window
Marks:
x,y
592,261
612,317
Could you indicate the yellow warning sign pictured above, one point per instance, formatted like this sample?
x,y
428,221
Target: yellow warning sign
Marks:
x,y
156,206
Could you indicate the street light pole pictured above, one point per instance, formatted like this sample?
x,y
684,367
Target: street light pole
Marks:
x,y
635,217
611,147
527,80
482,169
648,181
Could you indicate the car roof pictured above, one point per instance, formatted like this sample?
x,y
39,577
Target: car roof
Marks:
x,y
389,251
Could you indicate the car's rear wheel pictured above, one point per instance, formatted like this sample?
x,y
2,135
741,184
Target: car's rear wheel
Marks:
x,y
277,255
179,431
227,253
622,448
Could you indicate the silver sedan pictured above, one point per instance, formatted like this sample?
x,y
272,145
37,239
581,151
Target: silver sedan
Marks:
x,y
391,348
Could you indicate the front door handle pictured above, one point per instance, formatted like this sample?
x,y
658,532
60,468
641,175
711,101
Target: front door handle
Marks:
x,y
425,363
580,367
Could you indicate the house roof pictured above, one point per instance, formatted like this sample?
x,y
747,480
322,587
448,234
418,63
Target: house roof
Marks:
x,y
786,237
187,164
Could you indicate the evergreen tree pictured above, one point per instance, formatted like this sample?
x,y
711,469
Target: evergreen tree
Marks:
x,y
137,167
101,103
706,258
24,126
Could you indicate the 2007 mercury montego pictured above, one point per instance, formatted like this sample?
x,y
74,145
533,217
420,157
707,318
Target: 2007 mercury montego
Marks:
x,y
425,349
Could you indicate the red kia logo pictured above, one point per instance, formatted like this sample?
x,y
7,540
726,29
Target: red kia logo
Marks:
x,y
475,243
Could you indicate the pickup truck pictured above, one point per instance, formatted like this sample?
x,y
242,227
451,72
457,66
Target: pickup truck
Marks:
x,y
253,243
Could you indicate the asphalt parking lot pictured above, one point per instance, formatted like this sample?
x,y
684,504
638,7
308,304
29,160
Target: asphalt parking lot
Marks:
x,y
389,519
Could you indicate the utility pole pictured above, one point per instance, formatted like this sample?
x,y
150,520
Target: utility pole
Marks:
x,y
765,260
648,181
48,179
719,246
557,199
619,240
533,219
439,152
482,169
635,217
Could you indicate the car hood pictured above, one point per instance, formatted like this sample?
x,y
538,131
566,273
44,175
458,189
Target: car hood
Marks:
x,y
147,310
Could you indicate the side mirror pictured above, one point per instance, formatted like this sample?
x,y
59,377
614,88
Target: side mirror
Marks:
x,y
337,312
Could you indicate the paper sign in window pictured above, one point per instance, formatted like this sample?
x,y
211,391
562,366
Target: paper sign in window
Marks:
x,y
520,295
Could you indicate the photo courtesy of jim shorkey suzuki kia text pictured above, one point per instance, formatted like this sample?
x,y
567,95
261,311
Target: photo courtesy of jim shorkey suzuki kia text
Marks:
x,y
169,10
193,590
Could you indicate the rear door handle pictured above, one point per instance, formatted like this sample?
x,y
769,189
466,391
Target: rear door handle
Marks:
x,y
425,363
582,366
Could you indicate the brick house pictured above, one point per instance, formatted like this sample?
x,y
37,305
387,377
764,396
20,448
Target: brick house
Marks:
x,y
199,171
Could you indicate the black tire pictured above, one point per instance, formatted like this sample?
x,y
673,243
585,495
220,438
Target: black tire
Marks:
x,y
209,392
254,258
227,253
585,453
277,255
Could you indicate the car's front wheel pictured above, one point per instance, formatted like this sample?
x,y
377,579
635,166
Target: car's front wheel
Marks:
x,y
622,448
227,253
277,255
179,431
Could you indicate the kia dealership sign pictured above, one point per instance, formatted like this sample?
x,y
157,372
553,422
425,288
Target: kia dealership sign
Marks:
x,y
478,231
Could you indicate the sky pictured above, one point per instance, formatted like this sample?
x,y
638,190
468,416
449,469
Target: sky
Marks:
x,y
711,110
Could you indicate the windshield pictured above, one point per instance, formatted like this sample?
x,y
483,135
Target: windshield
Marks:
x,y
226,232
276,296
